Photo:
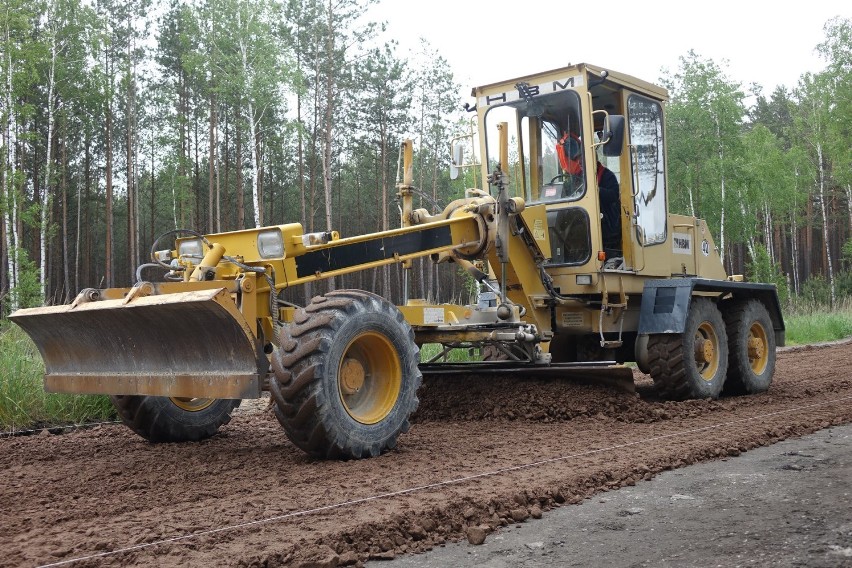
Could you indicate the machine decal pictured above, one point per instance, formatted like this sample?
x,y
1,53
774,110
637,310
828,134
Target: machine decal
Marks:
x,y
433,316
682,243
705,247
538,230
364,252
572,319
532,90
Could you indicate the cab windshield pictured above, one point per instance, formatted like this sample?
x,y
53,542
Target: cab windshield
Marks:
x,y
545,146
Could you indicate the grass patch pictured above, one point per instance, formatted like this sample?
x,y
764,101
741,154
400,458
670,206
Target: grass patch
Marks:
x,y
23,402
811,323
430,350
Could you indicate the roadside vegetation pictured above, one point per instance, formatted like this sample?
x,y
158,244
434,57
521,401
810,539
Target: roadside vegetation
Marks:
x,y
811,323
23,402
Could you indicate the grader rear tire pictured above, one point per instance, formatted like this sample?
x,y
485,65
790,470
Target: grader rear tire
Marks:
x,y
751,348
346,376
164,419
693,364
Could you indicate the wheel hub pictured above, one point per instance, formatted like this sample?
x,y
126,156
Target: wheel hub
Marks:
x,y
351,376
704,351
756,348
192,404
369,377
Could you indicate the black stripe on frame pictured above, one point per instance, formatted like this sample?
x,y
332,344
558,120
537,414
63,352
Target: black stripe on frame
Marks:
x,y
355,254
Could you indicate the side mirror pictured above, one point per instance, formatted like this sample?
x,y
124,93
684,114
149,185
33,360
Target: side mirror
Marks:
x,y
613,137
456,160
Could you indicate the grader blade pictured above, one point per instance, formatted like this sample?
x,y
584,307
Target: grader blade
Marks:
x,y
606,373
186,344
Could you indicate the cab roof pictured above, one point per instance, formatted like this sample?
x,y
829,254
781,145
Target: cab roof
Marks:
x,y
649,89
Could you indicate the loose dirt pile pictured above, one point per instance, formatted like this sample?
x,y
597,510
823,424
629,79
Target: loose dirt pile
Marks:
x,y
483,452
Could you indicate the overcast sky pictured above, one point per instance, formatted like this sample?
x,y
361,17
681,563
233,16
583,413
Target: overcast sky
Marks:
x,y
769,43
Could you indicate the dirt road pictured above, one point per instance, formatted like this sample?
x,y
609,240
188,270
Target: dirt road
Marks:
x,y
483,452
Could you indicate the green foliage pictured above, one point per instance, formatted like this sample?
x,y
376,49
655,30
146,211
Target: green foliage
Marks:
x,y
762,269
23,402
843,280
469,285
28,289
431,350
810,322
815,292
846,254
704,124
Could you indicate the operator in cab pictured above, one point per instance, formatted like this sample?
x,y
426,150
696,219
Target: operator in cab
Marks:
x,y
569,150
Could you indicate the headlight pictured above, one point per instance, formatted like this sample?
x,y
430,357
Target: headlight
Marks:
x,y
270,244
193,248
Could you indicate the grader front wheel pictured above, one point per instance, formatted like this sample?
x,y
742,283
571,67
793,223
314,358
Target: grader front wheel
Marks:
x,y
693,364
346,376
163,419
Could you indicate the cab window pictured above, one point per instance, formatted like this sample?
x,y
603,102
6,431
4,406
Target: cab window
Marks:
x,y
537,129
645,129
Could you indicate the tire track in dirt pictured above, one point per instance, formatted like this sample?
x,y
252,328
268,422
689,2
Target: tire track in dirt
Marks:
x,y
103,489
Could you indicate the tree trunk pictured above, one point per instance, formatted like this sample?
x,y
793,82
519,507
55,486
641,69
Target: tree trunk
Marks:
x,y
45,202
255,194
825,235
722,212
66,264
434,268
226,155
383,187
132,206
809,238
328,131
11,210
183,153
212,186
238,164
108,150
848,190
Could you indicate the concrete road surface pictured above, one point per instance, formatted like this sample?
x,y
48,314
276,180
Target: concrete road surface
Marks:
x,y
789,504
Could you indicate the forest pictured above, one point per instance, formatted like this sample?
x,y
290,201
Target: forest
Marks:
x,y
122,121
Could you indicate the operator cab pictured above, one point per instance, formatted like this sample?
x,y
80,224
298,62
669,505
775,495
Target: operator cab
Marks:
x,y
567,152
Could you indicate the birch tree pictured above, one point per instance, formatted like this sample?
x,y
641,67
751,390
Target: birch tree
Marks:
x,y
17,19
705,117
52,32
811,125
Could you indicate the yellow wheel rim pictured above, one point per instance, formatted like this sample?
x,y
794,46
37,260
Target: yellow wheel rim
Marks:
x,y
707,351
758,353
369,378
192,404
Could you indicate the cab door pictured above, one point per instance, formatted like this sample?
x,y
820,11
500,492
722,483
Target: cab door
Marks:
x,y
646,153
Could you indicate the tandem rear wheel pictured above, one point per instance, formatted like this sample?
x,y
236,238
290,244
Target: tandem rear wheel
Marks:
x,y
734,353
346,376
751,351
692,364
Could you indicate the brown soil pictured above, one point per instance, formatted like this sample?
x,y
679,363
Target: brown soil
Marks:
x,y
483,452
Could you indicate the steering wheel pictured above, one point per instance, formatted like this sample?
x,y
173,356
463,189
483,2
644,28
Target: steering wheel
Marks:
x,y
572,185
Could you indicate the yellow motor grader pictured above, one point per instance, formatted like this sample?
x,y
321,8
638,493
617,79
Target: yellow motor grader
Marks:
x,y
569,283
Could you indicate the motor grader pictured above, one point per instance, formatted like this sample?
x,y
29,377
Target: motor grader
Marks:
x,y
178,355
